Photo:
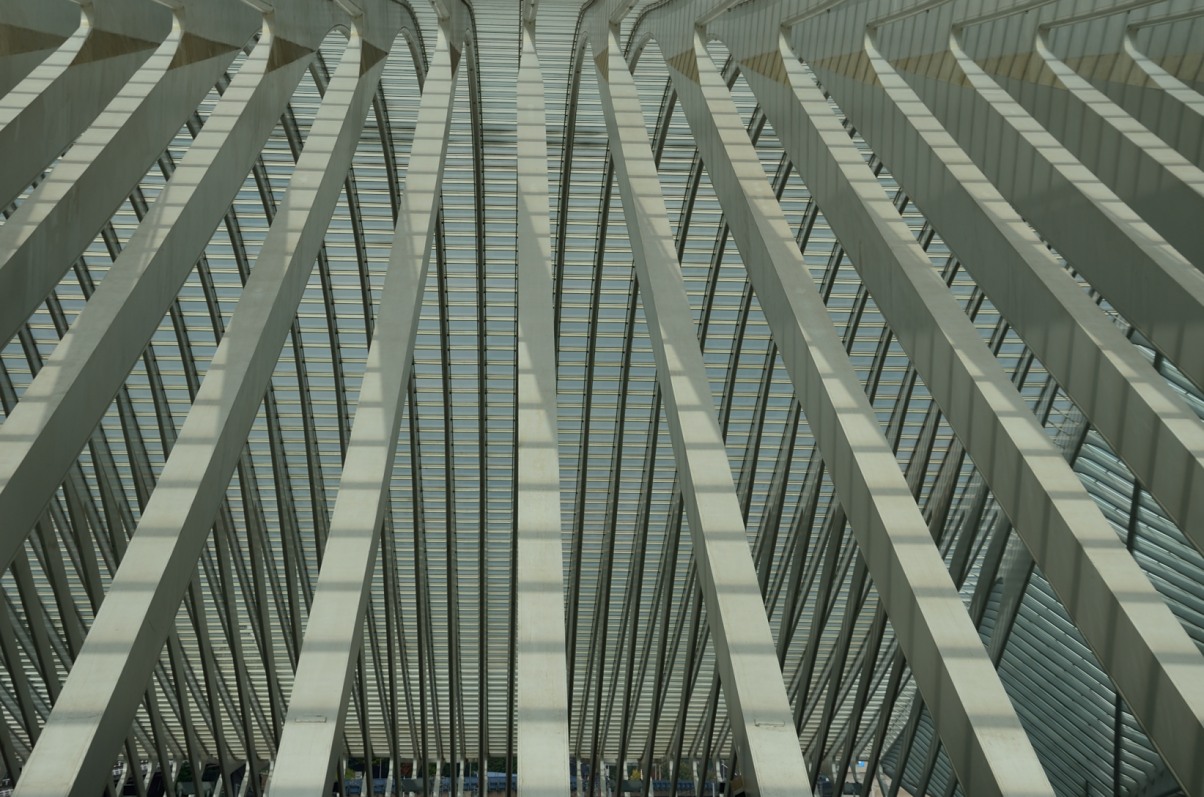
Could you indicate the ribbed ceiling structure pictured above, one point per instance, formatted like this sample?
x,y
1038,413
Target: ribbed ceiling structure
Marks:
x,y
644,385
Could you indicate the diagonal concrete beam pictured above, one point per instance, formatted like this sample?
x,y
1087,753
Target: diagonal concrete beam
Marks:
x,y
988,746
101,696
313,728
29,33
753,689
46,111
1135,636
61,407
60,218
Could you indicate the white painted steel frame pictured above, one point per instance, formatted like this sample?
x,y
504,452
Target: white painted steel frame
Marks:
x,y
1137,639
44,113
1156,288
42,27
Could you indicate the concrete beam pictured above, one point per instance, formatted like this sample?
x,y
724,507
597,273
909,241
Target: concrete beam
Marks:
x,y
62,215
61,407
313,728
47,110
770,757
109,677
542,713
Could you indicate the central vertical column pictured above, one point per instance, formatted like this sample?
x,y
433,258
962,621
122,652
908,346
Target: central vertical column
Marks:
x,y
540,666
752,680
